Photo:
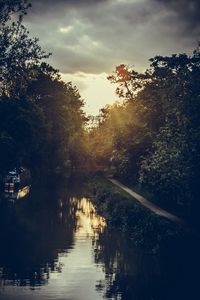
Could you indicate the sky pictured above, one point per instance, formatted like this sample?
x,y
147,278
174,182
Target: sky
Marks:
x,y
89,38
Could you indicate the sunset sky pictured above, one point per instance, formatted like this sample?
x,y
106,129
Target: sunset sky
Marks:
x,y
89,38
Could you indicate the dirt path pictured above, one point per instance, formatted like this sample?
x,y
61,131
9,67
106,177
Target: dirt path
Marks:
x,y
154,208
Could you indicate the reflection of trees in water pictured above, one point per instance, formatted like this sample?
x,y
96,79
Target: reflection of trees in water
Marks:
x,y
43,226
127,271
131,274
33,233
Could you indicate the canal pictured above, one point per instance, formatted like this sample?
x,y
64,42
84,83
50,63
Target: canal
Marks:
x,y
54,245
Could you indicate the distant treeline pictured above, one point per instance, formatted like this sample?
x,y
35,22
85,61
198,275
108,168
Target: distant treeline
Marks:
x,y
152,136
41,117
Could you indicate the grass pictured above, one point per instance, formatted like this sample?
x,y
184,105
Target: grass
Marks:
x,y
122,212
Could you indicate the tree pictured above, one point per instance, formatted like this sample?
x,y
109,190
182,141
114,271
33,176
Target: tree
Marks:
x,y
155,140
10,7
18,52
42,119
171,170
61,106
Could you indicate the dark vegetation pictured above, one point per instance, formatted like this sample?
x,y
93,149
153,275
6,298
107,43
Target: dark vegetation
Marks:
x,y
144,228
152,137
41,117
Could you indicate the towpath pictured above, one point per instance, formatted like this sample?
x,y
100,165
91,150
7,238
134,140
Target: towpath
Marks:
x,y
153,207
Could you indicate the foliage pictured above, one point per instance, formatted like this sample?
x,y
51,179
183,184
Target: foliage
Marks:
x,y
121,211
10,7
18,52
171,169
41,117
153,135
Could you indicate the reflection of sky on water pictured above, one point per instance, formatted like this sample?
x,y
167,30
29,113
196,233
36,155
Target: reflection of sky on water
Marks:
x,y
88,222
75,273
62,249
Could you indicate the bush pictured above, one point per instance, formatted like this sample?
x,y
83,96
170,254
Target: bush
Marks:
x,y
146,229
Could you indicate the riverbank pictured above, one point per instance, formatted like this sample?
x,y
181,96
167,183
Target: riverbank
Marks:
x,y
146,203
148,230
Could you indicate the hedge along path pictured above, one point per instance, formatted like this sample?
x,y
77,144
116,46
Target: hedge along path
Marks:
x,y
154,208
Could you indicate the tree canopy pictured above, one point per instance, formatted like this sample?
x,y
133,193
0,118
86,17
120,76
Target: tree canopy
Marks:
x,y
41,122
152,137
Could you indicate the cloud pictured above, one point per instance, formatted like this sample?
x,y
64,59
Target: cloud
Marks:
x,y
186,10
94,36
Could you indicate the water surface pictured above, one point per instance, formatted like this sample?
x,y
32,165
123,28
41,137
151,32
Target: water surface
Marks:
x,y
54,245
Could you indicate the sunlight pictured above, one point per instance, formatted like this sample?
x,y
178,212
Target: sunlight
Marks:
x,y
89,223
95,89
